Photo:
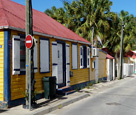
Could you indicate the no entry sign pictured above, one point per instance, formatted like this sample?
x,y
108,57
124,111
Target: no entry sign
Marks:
x,y
29,41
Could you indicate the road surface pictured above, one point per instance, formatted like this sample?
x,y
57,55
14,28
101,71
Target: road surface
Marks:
x,y
119,99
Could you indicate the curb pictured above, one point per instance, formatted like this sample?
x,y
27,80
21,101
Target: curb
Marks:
x,y
59,106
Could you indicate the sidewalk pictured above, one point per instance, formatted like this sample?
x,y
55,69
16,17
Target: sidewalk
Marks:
x,y
46,106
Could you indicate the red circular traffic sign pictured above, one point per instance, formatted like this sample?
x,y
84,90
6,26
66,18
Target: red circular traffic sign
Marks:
x,y
29,41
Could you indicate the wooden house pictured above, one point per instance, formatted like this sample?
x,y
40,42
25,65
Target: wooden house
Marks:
x,y
58,52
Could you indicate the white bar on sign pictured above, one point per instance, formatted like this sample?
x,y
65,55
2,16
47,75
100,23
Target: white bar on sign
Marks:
x,y
29,41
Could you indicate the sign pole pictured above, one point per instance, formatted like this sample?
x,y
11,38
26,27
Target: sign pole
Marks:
x,y
29,45
29,54
27,50
30,80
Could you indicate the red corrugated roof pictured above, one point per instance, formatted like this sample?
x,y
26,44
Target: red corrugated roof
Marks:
x,y
12,14
109,57
107,50
134,56
129,53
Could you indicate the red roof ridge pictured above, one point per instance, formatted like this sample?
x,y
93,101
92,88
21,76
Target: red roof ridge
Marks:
x,y
12,15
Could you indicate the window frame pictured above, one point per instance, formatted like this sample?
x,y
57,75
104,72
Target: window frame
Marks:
x,y
81,57
22,38
84,57
15,66
22,71
76,54
88,57
40,54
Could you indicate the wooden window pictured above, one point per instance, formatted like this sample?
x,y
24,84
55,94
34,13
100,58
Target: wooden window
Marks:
x,y
74,56
35,57
19,55
16,55
44,56
81,57
88,57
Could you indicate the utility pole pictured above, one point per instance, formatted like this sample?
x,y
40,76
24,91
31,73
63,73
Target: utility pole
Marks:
x,y
92,39
121,53
29,52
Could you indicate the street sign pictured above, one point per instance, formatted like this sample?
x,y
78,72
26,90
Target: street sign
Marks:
x,y
29,41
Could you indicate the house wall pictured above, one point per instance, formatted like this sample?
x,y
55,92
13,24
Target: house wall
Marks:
x,y
109,69
102,64
92,69
79,75
2,66
127,60
18,81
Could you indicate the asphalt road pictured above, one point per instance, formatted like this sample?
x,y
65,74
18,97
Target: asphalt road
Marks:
x,y
119,99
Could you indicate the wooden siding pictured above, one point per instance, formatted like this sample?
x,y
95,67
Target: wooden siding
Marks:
x,y
92,69
18,81
102,64
126,60
2,66
79,75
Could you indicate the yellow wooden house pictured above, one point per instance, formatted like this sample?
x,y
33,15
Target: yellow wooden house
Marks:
x,y
58,52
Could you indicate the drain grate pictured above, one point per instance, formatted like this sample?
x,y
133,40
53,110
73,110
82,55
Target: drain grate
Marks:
x,y
113,103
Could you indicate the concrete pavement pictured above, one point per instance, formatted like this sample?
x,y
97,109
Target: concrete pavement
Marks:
x,y
115,99
47,106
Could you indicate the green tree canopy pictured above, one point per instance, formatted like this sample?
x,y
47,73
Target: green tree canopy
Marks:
x,y
81,15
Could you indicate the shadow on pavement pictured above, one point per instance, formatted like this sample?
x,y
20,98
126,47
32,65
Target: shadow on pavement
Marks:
x,y
1,111
49,101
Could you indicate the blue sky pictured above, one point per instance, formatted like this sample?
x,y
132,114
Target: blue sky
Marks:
x,y
118,5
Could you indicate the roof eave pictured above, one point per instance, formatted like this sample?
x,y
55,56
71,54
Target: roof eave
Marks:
x,y
42,34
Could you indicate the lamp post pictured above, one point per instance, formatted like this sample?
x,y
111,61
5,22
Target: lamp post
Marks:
x,y
120,76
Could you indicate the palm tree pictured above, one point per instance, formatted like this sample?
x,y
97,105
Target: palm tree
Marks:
x,y
57,14
113,42
81,15
94,13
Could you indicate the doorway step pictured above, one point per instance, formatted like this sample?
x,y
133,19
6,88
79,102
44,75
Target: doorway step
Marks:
x,y
65,90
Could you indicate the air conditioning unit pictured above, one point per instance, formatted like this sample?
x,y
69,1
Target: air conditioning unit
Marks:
x,y
95,52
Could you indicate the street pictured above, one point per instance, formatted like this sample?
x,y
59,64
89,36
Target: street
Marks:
x,y
119,99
